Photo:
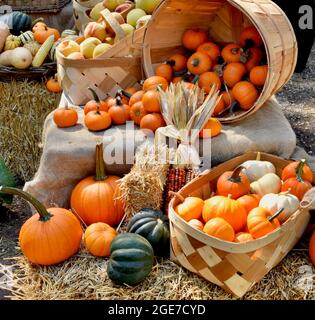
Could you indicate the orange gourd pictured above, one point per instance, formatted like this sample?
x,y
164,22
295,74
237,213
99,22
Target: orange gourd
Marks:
x,y
258,75
208,79
151,101
119,113
199,63
291,171
245,94
234,183
136,97
312,248
137,112
152,121
233,73
98,238
232,53
39,26
190,208
226,208
164,70
211,49
197,224
243,237
97,120
178,62
250,37
249,201
92,105
41,35
65,117
153,82
95,198
212,129
219,228
53,85
260,222
253,58
50,236
192,39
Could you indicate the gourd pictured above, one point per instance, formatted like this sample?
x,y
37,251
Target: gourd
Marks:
x,y
4,33
12,42
274,202
50,236
7,180
219,228
228,209
255,169
41,35
20,22
153,225
191,208
67,33
94,198
43,52
131,259
52,51
33,47
5,58
269,183
26,37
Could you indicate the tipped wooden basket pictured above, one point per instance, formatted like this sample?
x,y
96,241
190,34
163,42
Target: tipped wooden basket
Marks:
x,y
224,19
235,267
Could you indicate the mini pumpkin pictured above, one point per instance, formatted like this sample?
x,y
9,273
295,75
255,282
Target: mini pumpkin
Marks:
x,y
151,101
136,97
258,75
190,209
192,39
245,94
178,62
42,35
95,104
243,237
199,63
212,129
65,117
219,228
197,224
152,121
249,201
233,73
53,85
250,37
164,70
97,120
208,79
227,97
253,57
154,82
211,49
291,171
119,112
137,112
232,53
269,183
219,107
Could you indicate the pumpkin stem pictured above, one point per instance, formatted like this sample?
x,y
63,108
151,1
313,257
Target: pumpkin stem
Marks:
x,y
40,208
299,170
275,215
100,174
235,177
95,96
118,101
258,157
37,20
66,105
195,79
124,93
195,62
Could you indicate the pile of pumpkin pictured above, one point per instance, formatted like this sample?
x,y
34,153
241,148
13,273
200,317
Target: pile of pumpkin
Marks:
x,y
250,202
28,43
95,206
239,70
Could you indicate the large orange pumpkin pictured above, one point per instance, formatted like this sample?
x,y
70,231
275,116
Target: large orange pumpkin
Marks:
x,y
50,236
226,208
94,198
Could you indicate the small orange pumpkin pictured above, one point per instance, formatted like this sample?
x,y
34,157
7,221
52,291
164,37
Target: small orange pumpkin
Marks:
x,y
227,97
92,105
40,25
53,85
136,97
152,121
211,49
219,107
192,39
65,117
245,94
164,70
155,81
250,37
219,228
231,53
233,73
41,35
258,75
243,237
97,120
190,209
208,79
119,113
137,112
197,224
212,129
98,238
151,101
253,58
199,63
249,201
291,171
178,62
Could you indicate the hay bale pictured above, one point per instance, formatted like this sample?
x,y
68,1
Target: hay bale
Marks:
x,y
23,109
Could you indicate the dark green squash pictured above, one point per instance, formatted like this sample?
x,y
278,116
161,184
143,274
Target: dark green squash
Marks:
x,y
21,22
7,180
154,226
131,259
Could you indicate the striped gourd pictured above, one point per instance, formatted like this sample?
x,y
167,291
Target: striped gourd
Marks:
x,y
43,51
26,37
52,53
67,33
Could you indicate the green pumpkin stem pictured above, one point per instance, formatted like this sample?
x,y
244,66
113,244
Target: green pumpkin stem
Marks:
x,y
275,215
235,177
37,20
299,170
100,174
95,96
123,93
40,208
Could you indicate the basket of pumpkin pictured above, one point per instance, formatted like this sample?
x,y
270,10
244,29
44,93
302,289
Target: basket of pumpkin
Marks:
x,y
234,223
247,48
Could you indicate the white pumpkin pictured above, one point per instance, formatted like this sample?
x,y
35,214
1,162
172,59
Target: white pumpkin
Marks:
x,y
269,183
274,202
255,169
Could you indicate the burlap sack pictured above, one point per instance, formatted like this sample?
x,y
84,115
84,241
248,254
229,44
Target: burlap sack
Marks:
x,y
68,154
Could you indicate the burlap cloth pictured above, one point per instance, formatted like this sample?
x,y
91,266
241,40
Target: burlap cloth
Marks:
x,y
68,154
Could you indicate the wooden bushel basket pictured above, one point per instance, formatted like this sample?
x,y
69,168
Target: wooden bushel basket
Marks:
x,y
81,11
235,267
224,19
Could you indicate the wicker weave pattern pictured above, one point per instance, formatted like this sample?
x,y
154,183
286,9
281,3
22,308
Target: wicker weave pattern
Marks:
x,y
32,6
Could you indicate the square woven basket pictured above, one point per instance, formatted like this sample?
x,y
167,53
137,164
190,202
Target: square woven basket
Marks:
x,y
35,6
235,267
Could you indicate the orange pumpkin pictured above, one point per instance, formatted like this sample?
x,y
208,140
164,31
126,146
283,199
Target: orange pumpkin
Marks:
x,y
234,183
312,248
164,70
227,97
50,236
258,75
53,85
137,112
233,73
208,79
250,37
260,222
153,82
95,104
245,94
226,208
152,122
98,238
219,228
243,237
211,49
136,97
192,39
219,107
39,26
232,53
94,198
190,209
177,79
253,58
290,171
97,120
249,201
212,129
42,34
151,101
199,63
119,113
197,224
178,62
65,117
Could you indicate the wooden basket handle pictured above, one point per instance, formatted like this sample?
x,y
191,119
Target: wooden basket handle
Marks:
x,y
107,16
308,201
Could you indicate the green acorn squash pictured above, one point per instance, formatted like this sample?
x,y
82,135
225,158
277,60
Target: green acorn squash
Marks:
x,y
21,22
6,179
154,226
131,259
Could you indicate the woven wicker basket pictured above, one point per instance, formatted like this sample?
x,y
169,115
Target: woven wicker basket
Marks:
x,y
224,19
118,68
36,6
235,267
